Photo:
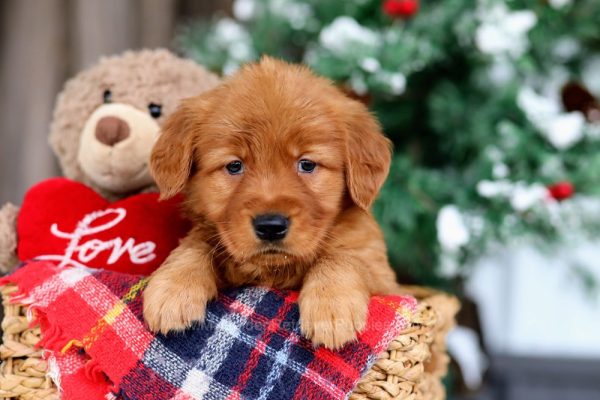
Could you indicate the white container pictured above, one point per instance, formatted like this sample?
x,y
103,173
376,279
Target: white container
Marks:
x,y
535,304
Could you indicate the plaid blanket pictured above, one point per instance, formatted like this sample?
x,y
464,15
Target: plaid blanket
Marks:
x,y
249,348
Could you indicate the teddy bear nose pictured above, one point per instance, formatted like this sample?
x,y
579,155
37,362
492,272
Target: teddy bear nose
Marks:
x,y
111,130
271,227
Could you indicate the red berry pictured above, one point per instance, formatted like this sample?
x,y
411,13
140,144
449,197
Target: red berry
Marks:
x,y
401,8
561,190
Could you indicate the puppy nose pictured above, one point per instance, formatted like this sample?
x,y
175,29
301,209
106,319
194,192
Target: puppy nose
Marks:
x,y
111,130
271,227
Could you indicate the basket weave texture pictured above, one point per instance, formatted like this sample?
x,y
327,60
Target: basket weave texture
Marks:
x,y
23,370
415,362
410,369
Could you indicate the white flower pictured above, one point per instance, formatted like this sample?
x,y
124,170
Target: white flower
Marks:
x,y
535,106
525,196
397,83
392,82
240,51
494,154
522,196
500,170
557,4
566,48
370,64
565,130
358,84
229,31
452,231
490,189
244,10
562,130
233,38
344,34
296,13
503,31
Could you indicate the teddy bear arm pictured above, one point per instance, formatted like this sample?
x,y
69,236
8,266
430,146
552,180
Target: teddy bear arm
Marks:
x,y
8,237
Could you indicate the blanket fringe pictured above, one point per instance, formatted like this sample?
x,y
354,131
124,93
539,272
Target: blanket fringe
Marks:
x,y
94,372
53,339
53,369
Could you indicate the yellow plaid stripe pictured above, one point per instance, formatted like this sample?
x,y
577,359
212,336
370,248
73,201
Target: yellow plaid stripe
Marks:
x,y
108,319
401,309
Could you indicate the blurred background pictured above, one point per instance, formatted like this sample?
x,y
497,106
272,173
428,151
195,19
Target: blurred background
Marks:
x,y
494,192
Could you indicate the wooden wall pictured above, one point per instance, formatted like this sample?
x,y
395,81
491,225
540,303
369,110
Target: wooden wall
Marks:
x,y
42,43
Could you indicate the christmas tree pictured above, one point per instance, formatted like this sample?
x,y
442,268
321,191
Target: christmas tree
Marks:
x,y
490,104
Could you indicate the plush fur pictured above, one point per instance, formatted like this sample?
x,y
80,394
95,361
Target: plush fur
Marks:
x,y
135,80
122,168
270,115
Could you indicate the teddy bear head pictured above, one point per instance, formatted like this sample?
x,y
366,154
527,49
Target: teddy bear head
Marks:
x,y
108,117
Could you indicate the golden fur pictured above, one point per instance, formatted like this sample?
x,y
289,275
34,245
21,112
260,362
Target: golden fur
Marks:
x,y
269,116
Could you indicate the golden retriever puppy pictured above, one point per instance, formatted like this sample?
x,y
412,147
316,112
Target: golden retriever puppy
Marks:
x,y
279,169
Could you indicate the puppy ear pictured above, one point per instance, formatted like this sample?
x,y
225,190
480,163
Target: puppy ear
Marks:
x,y
173,154
368,155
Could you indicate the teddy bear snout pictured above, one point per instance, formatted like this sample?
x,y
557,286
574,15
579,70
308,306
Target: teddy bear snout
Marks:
x,y
111,130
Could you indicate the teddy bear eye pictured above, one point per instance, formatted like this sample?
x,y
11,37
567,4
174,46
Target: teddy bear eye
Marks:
x,y
155,110
107,96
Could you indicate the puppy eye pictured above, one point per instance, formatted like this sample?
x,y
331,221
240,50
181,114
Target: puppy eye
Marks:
x,y
306,166
155,110
235,167
107,96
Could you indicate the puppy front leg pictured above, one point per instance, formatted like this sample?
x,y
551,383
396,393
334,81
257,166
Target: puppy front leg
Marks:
x,y
333,302
178,291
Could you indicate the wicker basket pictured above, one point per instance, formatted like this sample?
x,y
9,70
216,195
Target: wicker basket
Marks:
x,y
411,368
414,364
23,370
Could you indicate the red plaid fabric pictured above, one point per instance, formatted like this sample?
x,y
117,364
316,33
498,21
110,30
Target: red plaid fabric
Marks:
x,y
250,346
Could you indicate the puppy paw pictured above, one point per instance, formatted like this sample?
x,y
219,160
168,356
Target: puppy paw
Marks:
x,y
170,306
332,320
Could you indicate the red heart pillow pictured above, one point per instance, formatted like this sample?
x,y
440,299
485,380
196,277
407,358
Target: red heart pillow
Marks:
x,y
69,223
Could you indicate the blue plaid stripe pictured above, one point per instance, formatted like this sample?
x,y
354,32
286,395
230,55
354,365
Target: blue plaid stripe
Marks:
x,y
250,347
208,359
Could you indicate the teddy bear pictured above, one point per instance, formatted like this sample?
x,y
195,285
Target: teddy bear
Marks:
x,y
105,122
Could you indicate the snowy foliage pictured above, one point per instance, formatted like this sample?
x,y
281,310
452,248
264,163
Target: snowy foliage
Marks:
x,y
470,92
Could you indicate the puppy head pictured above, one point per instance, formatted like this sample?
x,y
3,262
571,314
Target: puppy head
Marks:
x,y
270,158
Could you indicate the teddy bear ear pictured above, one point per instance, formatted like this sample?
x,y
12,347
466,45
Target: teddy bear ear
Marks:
x,y
172,157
